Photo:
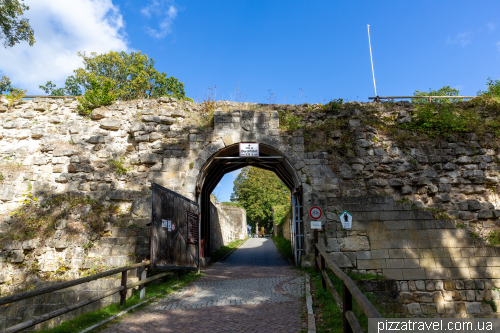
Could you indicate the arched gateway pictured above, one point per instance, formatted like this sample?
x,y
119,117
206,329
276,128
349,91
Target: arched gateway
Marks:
x,y
228,159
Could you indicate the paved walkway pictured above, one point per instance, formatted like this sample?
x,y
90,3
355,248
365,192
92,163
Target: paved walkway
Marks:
x,y
253,290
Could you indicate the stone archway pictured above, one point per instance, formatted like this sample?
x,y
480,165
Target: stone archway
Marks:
x,y
227,160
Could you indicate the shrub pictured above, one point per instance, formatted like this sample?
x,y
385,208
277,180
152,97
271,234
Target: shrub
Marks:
x,y
98,95
445,91
118,165
493,87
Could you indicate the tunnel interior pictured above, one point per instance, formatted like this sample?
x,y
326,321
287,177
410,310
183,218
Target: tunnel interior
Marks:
x,y
228,160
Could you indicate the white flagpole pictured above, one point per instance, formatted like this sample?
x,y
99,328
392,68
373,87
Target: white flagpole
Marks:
x,y
371,58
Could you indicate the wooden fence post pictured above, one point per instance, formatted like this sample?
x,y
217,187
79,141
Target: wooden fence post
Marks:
x,y
323,281
316,250
123,293
347,306
142,287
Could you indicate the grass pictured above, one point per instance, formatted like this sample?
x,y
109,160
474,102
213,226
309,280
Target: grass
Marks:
x,y
284,246
153,290
327,313
220,253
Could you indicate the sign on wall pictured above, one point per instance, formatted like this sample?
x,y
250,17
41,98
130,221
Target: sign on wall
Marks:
x,y
315,213
167,224
315,224
249,150
346,220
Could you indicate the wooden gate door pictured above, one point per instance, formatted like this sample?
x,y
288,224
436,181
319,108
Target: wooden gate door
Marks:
x,y
175,226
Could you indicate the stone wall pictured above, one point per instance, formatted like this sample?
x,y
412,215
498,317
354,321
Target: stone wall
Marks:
x,y
47,148
285,229
227,224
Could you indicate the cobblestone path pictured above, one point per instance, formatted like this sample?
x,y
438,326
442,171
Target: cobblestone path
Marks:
x,y
253,290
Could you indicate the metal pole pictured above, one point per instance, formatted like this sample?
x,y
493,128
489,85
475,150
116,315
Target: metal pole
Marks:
x,y
371,58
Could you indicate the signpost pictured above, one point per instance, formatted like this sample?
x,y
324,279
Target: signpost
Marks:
x,y
346,219
249,150
315,213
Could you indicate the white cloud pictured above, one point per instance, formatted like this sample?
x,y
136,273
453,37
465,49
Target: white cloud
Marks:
x,y
165,13
492,26
462,39
62,28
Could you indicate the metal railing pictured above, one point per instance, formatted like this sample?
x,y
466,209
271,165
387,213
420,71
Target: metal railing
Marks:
x,y
48,96
349,290
429,98
122,290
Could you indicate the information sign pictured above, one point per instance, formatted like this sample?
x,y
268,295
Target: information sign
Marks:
x,y
249,150
346,220
315,224
192,226
315,213
166,224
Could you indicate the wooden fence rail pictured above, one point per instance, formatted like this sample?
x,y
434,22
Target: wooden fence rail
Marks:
x,y
429,98
349,290
122,290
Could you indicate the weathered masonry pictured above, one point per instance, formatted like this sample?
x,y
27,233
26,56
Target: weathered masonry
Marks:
x,y
441,265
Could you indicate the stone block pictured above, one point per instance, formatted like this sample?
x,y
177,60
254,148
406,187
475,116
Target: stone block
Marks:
x,y
412,263
380,254
363,255
472,308
395,263
371,264
355,243
429,309
413,274
414,309
396,274
111,124
332,245
343,261
17,256
420,285
397,253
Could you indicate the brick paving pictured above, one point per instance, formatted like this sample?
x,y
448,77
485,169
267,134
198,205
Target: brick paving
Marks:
x,y
253,290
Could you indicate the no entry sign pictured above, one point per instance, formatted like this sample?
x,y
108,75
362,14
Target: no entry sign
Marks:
x,y
315,213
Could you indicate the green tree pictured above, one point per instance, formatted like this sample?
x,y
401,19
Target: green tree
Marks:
x,y
13,27
6,86
493,87
258,191
132,76
72,87
445,91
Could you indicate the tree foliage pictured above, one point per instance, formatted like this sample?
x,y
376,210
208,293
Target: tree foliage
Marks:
x,y
258,191
13,27
71,88
445,91
132,76
493,88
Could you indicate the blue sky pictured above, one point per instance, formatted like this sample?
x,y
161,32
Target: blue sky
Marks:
x,y
278,51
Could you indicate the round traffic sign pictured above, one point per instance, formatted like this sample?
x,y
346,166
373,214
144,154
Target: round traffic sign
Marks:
x,y
315,213
173,227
